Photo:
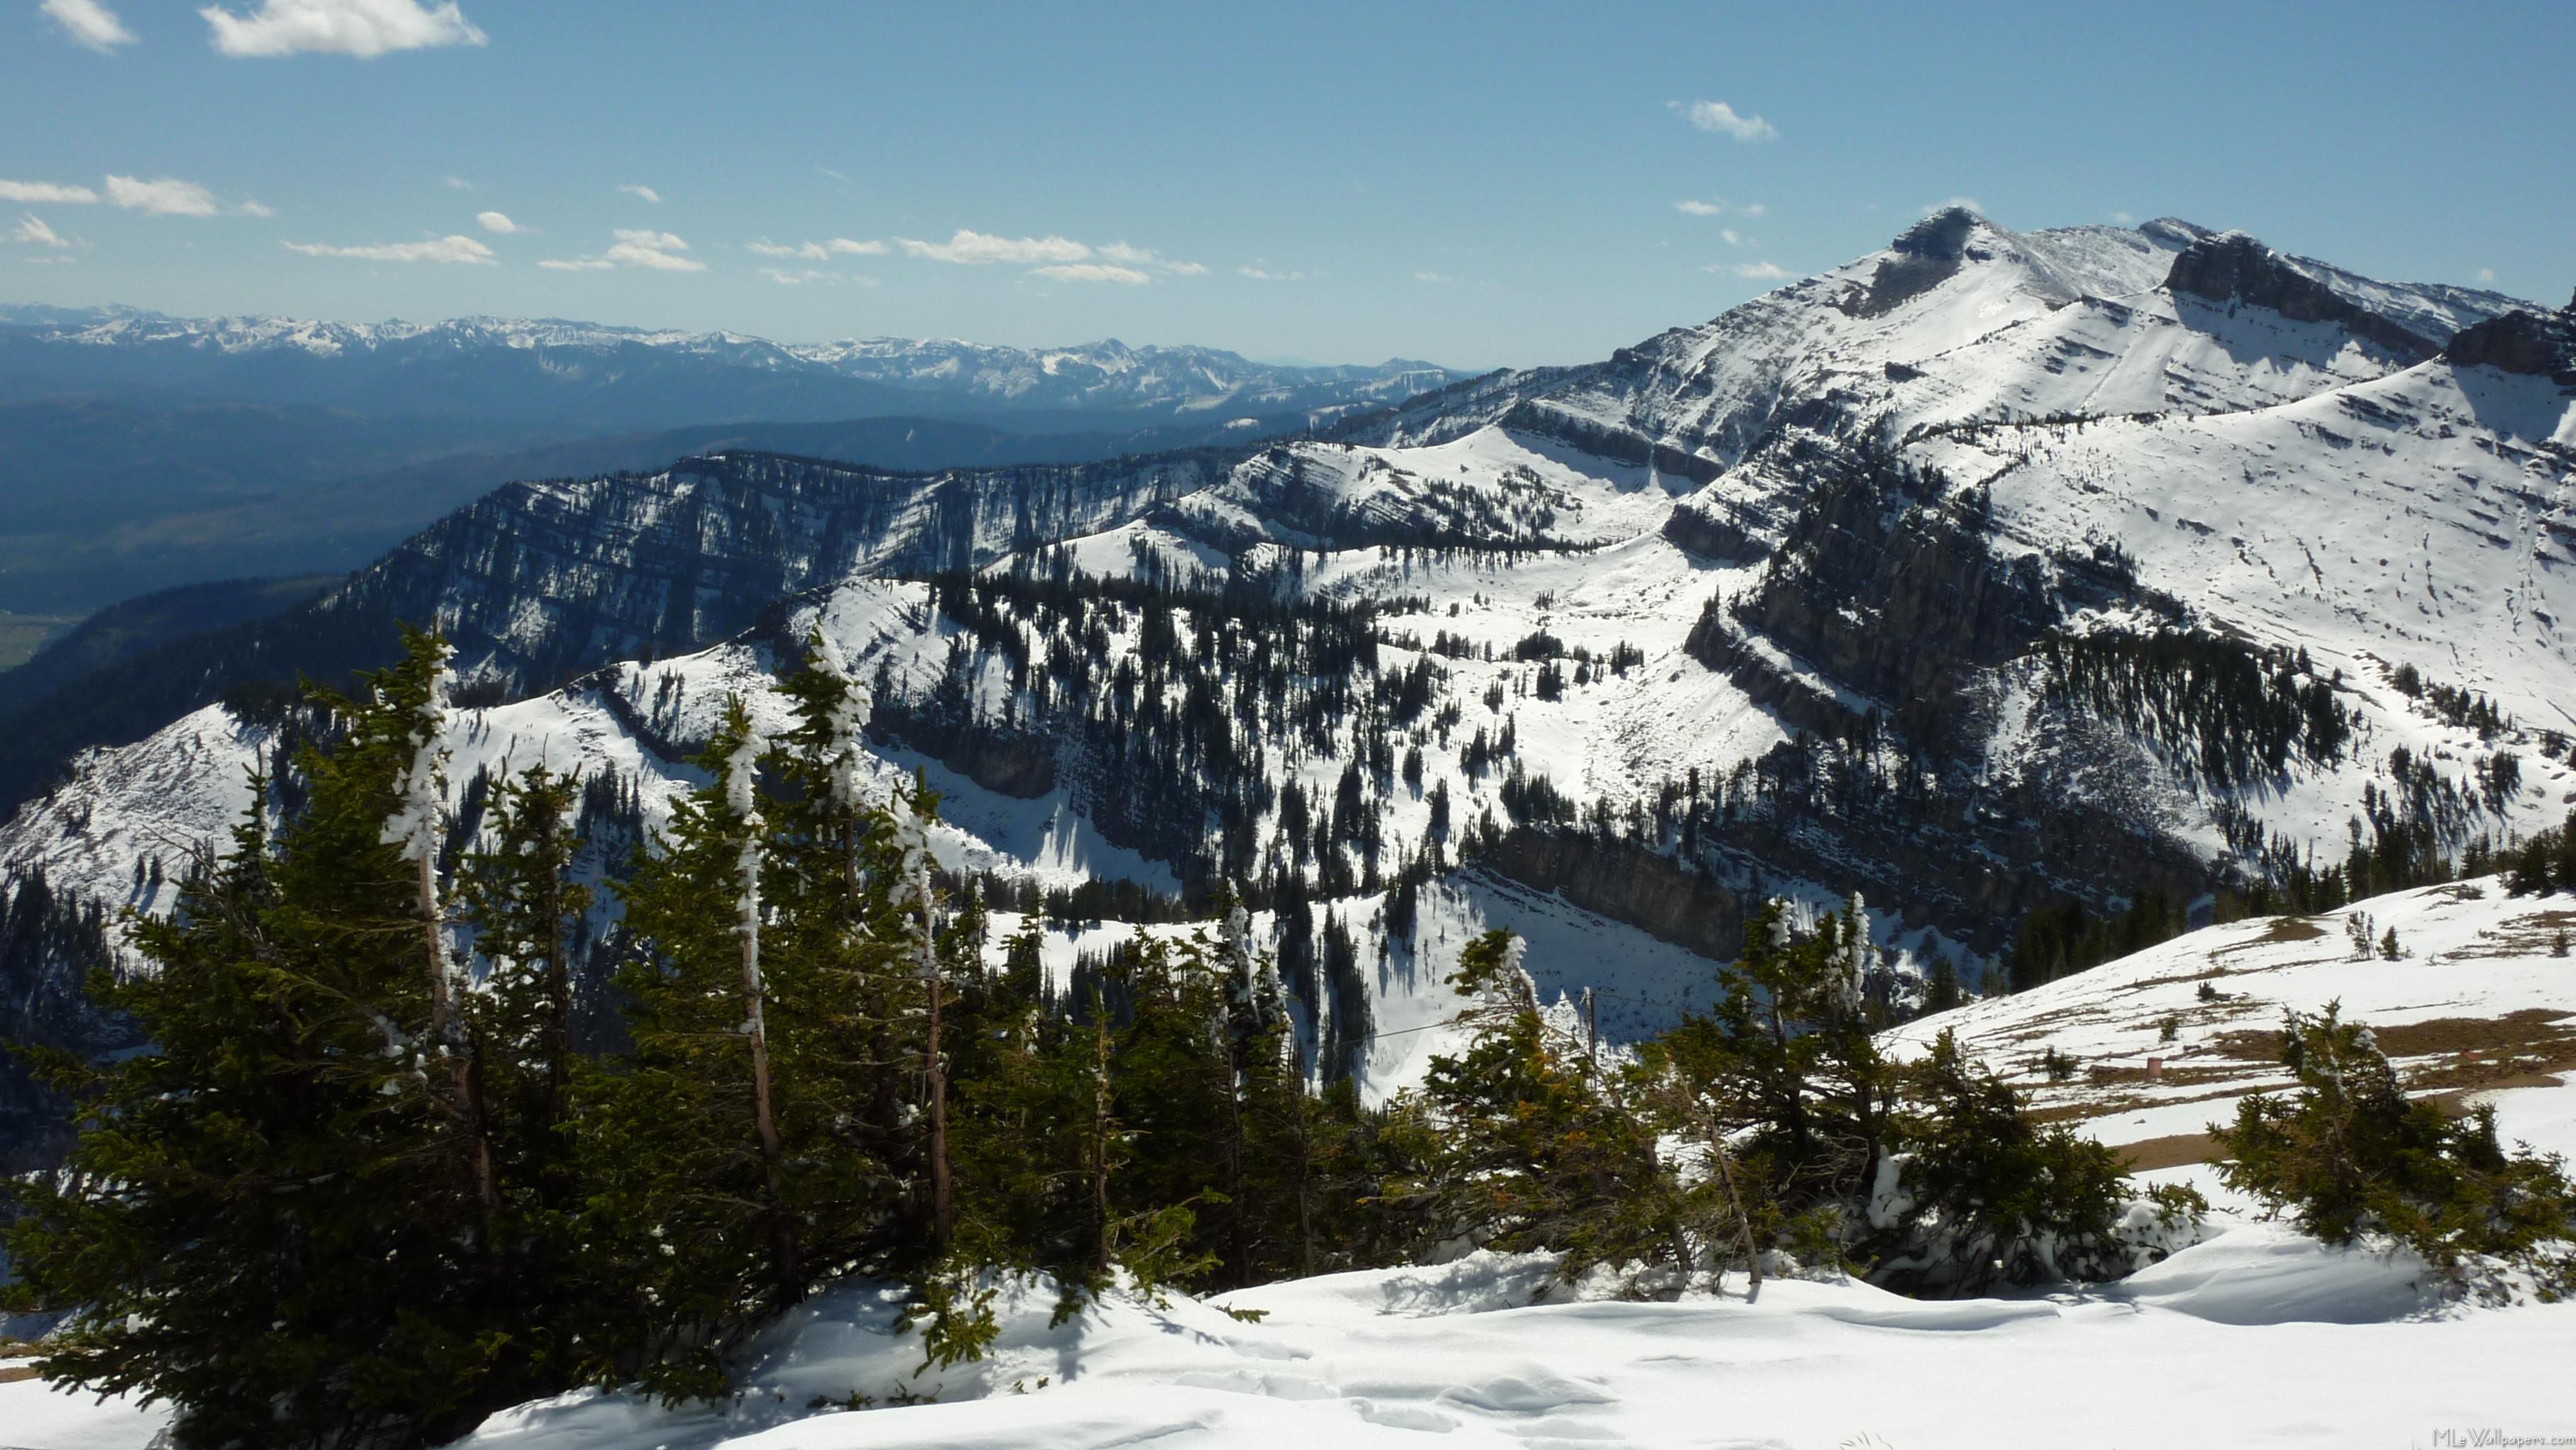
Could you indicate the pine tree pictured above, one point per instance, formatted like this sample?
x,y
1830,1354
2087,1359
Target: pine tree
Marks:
x,y
688,1141
281,1216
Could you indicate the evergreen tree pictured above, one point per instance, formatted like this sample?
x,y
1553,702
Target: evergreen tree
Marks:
x,y
282,1216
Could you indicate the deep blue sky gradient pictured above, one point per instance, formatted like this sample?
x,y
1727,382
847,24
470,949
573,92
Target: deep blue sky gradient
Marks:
x,y
1477,185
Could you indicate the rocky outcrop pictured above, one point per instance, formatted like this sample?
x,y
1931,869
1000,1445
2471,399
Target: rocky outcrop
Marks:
x,y
2520,342
1625,882
2233,269
1928,254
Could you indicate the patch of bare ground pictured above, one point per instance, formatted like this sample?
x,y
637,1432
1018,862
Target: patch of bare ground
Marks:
x,y
2169,1152
2281,929
2534,933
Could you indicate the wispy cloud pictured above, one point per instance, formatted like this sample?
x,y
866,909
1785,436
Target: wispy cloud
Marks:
x,y
1259,274
2124,219
1699,208
363,28
786,278
658,251
1755,271
87,22
259,209
1093,272
33,231
645,192
1725,120
461,250
1441,278
1127,256
635,247
46,191
2485,274
497,224
1056,258
822,251
976,249
458,183
162,196
1969,203
1733,238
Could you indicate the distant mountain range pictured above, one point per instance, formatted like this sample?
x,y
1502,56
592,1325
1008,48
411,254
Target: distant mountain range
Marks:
x,y
141,451
622,378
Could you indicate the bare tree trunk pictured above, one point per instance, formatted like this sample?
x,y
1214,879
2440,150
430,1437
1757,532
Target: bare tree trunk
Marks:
x,y
445,1036
943,1211
756,1028
1100,1131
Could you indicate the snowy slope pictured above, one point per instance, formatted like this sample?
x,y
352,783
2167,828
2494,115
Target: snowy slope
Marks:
x,y
2480,1006
2246,466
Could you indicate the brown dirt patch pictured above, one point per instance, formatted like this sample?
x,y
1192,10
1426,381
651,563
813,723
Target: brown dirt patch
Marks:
x,y
11,1374
2281,929
2169,1152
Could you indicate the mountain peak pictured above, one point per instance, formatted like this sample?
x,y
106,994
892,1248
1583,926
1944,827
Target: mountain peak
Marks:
x,y
1942,236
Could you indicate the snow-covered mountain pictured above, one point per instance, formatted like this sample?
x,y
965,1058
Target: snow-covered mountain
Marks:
x,y
1986,571
531,368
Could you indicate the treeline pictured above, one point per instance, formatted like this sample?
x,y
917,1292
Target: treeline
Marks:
x,y
368,1185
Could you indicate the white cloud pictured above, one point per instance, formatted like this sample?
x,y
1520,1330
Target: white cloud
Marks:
x,y
1757,209
33,231
816,251
458,183
89,23
636,247
1436,277
259,209
787,278
1700,208
363,28
1968,202
1259,275
975,249
162,196
497,224
455,249
1733,237
655,250
1721,118
1093,272
2124,219
2485,274
1758,271
646,192
46,191
1127,256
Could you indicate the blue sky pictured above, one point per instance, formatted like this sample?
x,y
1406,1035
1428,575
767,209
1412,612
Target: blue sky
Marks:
x,y
1477,185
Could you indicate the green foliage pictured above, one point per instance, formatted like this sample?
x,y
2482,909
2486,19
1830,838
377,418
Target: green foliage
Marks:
x,y
2060,940
1987,1196
2350,1153
281,1216
2214,705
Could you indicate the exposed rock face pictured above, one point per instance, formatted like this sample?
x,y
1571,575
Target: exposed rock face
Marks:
x,y
1928,254
2521,342
1626,883
2235,268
